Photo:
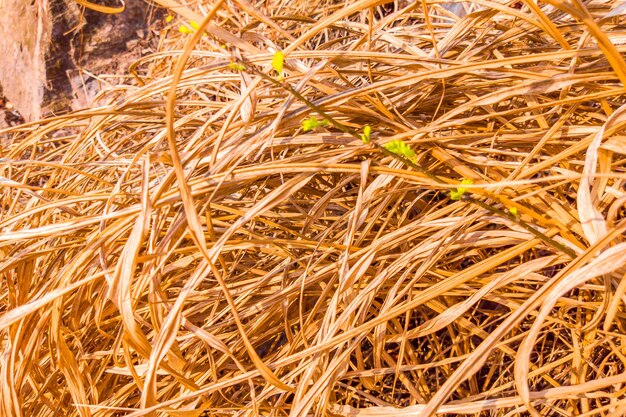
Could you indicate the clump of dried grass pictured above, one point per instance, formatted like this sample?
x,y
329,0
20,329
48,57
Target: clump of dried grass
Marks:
x,y
261,270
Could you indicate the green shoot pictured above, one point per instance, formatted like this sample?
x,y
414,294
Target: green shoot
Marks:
x,y
367,132
458,193
312,122
236,66
309,124
186,30
513,211
398,147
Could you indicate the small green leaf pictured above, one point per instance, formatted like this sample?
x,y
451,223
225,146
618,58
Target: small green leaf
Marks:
x,y
194,24
278,63
367,132
400,148
458,193
169,18
236,66
324,123
309,124
513,211
465,181
184,29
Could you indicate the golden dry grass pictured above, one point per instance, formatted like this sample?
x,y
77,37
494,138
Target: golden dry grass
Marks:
x,y
186,246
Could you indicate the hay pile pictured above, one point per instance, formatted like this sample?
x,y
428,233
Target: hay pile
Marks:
x,y
262,270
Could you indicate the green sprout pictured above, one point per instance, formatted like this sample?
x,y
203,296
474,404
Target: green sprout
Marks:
x,y
169,18
513,211
398,147
312,122
278,63
458,193
236,66
186,30
367,132
309,124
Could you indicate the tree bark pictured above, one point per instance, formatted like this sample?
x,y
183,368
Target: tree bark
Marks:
x,y
24,39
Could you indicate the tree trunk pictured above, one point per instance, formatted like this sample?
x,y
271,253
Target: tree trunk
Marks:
x,y
24,38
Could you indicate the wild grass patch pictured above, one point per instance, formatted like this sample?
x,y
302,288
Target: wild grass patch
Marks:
x,y
328,209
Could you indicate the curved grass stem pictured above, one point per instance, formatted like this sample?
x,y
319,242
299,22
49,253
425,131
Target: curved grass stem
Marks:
x,y
286,86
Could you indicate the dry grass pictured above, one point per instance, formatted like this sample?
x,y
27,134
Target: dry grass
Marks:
x,y
186,246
